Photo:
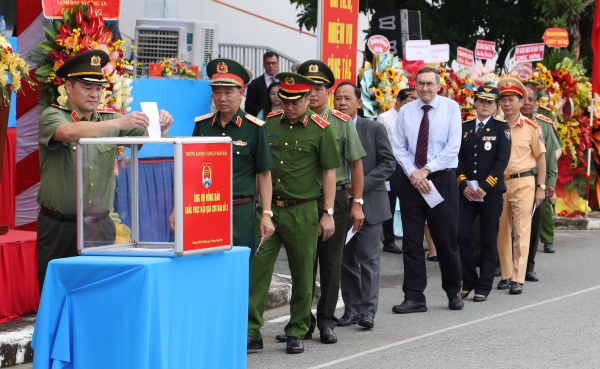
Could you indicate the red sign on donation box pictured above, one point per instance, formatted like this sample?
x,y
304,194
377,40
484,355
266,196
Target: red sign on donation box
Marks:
x,y
529,52
556,37
107,9
379,44
206,196
485,49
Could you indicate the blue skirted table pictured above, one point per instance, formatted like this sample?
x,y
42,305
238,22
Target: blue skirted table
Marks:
x,y
144,312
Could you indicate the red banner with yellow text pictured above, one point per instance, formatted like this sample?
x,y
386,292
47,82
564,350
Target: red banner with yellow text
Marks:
x,y
339,24
108,9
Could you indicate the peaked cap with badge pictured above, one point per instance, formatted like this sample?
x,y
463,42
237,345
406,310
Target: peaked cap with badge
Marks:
x,y
293,85
85,67
227,72
318,72
512,86
489,93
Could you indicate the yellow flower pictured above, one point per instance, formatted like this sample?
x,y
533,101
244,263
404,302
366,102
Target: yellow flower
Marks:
x,y
3,79
381,77
543,77
534,78
562,72
16,83
378,94
394,91
548,83
390,72
95,45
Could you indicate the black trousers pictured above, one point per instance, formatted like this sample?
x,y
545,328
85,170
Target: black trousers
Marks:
x,y
443,223
489,213
534,238
388,226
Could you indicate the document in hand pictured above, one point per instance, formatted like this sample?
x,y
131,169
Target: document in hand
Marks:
x,y
433,198
351,233
151,110
473,186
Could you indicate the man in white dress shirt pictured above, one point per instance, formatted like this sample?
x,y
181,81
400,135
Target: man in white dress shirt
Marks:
x,y
389,119
426,143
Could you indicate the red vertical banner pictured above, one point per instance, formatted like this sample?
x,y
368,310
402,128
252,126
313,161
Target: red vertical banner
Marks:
x,y
206,196
338,33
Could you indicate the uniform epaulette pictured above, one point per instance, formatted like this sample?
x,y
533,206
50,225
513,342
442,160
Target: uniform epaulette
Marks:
x,y
341,115
254,120
544,118
545,108
61,107
273,113
106,110
320,121
204,117
532,122
468,120
501,120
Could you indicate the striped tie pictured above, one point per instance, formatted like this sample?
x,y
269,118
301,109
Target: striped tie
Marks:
x,y
479,128
423,140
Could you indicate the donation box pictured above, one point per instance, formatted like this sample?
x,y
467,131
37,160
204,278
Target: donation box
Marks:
x,y
186,198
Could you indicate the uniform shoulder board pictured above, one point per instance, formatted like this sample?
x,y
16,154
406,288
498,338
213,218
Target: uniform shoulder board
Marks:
x,y
254,120
544,118
545,108
61,107
273,113
469,119
532,122
204,117
501,120
320,121
107,110
341,115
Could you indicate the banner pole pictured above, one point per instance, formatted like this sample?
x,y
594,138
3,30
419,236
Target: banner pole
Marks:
x,y
587,187
319,27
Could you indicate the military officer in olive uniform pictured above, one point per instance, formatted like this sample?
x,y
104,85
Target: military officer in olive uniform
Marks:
x,y
483,157
303,146
350,151
252,158
59,129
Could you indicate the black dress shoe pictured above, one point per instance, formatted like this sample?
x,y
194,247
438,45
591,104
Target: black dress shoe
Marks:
x,y
479,298
515,288
409,306
531,277
497,272
432,258
283,337
455,303
255,343
328,335
294,345
549,248
391,248
504,284
465,295
367,321
348,318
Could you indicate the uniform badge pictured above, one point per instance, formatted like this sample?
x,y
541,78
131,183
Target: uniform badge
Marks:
x,y
240,143
206,175
507,133
313,68
95,61
222,68
487,129
487,146
290,81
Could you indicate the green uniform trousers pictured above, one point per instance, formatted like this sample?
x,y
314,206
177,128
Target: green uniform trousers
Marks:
x,y
297,228
329,261
547,233
243,230
536,226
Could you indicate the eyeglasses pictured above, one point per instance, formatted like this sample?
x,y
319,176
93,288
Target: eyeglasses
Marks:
x,y
429,85
271,64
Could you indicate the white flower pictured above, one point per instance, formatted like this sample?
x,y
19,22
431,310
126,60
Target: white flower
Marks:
x,y
536,74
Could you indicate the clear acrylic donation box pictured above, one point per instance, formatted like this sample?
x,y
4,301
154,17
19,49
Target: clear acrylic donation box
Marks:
x,y
176,203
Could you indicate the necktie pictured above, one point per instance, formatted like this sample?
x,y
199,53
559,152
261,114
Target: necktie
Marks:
x,y
479,128
423,139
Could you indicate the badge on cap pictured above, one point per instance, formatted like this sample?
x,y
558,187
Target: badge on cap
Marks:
x,y
487,90
290,81
95,61
313,68
222,68
487,146
508,85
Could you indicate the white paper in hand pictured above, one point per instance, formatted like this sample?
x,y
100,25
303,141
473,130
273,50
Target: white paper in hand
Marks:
x,y
473,186
387,186
433,198
151,110
350,234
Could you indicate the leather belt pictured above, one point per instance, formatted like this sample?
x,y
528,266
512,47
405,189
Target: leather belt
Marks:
x,y
518,175
73,218
288,203
243,200
341,187
439,172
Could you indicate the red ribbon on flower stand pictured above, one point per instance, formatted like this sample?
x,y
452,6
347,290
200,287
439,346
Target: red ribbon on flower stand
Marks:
x,y
4,111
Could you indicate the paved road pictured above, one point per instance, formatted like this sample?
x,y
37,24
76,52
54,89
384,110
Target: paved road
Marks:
x,y
553,324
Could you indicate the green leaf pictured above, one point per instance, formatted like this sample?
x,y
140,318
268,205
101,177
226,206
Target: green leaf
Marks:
x,y
50,36
43,71
44,87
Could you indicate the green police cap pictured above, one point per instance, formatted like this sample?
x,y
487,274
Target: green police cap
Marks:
x,y
227,72
318,72
85,67
293,86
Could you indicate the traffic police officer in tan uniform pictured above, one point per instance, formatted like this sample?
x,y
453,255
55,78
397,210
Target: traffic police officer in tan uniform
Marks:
x,y
59,129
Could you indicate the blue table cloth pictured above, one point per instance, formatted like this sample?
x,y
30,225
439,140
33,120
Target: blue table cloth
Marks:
x,y
144,312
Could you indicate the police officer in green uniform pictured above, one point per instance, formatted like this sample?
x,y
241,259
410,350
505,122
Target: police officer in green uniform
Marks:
x,y
552,142
303,146
59,129
252,158
350,151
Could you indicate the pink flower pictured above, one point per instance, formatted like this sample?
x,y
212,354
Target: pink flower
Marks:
x,y
108,68
174,70
114,55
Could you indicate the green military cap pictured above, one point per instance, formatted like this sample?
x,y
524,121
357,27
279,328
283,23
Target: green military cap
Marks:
x,y
227,72
318,72
293,85
86,67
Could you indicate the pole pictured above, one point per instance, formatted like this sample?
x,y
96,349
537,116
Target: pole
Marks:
x,y
319,28
587,187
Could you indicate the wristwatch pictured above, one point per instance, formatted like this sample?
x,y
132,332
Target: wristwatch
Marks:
x,y
268,212
427,167
543,187
360,201
328,212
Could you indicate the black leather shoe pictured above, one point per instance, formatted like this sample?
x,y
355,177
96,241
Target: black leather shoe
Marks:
x,y
515,288
455,303
432,258
479,298
465,295
497,272
549,248
328,335
283,337
294,345
255,343
531,277
504,284
367,321
410,307
392,248
348,318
